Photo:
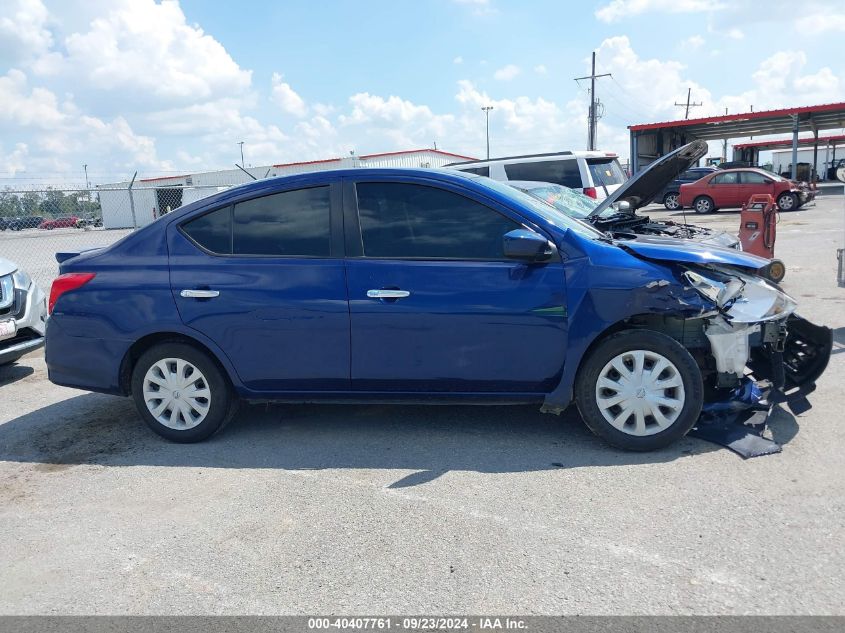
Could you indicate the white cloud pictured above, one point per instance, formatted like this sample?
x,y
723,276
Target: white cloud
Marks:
x,y
23,31
506,73
735,34
821,22
14,161
286,98
142,48
540,69
693,42
619,9
458,60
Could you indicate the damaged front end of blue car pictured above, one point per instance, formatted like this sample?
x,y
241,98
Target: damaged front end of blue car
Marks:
x,y
752,348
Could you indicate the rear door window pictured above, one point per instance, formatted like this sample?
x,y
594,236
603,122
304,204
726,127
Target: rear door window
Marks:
x,y
478,171
559,172
403,220
605,172
725,179
212,231
288,224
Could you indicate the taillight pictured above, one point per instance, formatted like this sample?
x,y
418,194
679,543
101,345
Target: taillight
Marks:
x,y
590,191
66,283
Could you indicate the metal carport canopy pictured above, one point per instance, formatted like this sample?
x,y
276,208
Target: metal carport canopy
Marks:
x,y
649,141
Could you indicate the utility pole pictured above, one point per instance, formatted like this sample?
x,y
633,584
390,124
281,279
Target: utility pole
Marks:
x,y
688,104
486,110
241,143
725,144
87,186
593,118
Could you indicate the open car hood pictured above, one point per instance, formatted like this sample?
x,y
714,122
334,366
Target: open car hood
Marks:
x,y
642,188
688,252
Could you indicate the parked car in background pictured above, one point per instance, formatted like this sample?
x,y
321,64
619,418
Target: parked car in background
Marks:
x,y
92,221
731,188
4,223
25,222
669,195
61,222
23,312
596,174
416,285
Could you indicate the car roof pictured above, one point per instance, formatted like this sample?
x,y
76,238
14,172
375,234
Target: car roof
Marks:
x,y
564,155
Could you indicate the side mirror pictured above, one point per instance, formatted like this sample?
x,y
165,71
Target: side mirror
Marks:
x,y
526,245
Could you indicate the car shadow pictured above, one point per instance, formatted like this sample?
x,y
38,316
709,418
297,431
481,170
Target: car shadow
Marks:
x,y
13,373
428,440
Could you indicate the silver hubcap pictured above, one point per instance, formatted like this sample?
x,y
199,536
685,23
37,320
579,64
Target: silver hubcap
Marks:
x,y
176,393
786,202
672,201
640,392
702,206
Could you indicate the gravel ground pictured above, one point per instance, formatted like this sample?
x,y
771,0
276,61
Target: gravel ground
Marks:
x,y
387,509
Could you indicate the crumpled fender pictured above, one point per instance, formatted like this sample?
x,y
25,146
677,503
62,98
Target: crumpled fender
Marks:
x,y
606,285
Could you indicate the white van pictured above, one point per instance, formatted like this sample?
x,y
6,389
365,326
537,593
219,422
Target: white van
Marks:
x,y
597,174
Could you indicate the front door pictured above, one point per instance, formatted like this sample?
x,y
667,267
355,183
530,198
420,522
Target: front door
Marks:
x,y
264,280
434,304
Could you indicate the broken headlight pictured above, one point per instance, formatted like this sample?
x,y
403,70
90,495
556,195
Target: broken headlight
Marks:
x,y
740,297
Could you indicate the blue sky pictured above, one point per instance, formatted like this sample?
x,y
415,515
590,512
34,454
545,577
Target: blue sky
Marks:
x,y
166,87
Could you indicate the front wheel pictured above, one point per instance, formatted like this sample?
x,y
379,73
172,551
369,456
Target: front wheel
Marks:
x,y
788,202
670,201
639,390
181,393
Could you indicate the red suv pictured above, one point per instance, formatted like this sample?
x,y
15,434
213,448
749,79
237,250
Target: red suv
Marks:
x,y
731,188
63,222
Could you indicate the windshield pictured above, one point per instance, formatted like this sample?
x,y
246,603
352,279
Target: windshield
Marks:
x,y
553,215
573,203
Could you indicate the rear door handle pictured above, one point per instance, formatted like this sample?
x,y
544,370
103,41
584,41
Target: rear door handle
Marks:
x,y
200,294
388,294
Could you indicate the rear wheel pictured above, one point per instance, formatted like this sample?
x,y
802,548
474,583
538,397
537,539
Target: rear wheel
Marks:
x,y
181,393
703,204
670,201
788,202
639,390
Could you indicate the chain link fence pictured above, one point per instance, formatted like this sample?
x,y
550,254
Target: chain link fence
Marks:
x,y
37,222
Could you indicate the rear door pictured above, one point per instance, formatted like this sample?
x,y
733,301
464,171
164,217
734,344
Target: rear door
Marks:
x,y
724,189
435,306
560,171
264,279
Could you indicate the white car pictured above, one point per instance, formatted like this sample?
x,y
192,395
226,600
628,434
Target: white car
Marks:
x,y
595,174
23,313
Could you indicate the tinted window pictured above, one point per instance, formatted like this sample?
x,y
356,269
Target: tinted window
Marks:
x,y
289,223
560,172
212,231
605,172
725,179
753,178
403,220
478,171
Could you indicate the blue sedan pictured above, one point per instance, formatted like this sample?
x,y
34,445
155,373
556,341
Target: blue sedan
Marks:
x,y
417,286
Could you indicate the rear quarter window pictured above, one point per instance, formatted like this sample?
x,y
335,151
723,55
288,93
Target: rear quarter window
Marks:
x,y
559,172
478,171
605,171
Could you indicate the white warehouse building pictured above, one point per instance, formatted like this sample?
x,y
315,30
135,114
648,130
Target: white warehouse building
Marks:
x,y
152,197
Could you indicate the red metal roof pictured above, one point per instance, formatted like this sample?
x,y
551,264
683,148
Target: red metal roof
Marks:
x,y
379,155
745,116
787,142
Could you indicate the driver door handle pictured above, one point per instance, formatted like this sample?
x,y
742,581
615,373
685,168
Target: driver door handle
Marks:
x,y
388,294
199,294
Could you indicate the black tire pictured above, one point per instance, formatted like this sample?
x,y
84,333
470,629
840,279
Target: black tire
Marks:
x,y
222,401
670,201
788,202
650,341
703,204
